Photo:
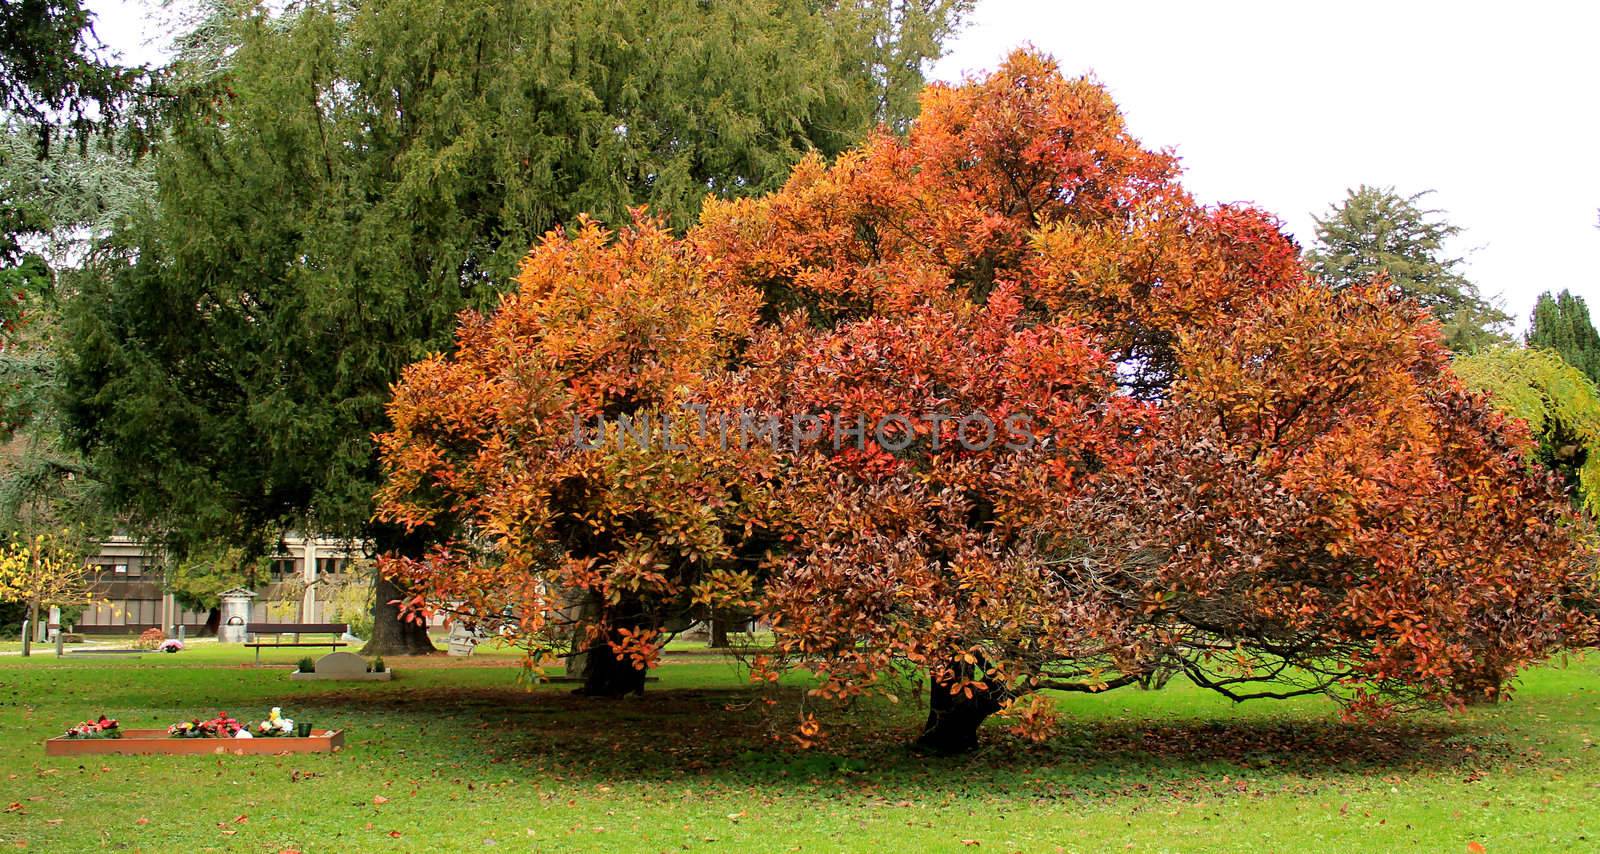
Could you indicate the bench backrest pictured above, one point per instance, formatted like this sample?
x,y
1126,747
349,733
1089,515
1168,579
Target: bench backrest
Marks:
x,y
300,629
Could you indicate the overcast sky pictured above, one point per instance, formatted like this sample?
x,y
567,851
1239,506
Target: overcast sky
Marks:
x,y
1283,104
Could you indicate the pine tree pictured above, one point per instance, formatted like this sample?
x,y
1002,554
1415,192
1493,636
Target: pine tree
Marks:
x,y
52,73
1378,231
1561,323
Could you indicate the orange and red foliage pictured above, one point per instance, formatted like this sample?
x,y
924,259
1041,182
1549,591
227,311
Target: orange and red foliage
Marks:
x,y
1324,509
953,206
535,532
1306,498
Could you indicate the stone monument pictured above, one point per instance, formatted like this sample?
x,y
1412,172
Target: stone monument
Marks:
x,y
235,621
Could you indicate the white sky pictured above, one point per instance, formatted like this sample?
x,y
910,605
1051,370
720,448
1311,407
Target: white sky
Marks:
x,y
1286,104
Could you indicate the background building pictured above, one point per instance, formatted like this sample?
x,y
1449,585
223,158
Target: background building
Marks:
x,y
127,579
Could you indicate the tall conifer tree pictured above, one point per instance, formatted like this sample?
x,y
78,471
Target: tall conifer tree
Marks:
x,y
1375,230
1561,323
369,170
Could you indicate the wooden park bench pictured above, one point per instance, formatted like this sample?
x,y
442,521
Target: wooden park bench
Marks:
x,y
277,630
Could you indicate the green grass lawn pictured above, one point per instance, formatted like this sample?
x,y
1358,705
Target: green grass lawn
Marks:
x,y
469,760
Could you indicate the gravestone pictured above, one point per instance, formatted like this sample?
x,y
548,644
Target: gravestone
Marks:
x,y
462,640
339,665
342,667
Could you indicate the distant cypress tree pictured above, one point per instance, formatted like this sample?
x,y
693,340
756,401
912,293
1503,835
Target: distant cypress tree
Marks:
x,y
1561,323
1376,230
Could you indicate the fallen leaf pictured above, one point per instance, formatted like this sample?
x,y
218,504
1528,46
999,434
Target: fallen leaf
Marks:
x,y
379,800
970,842
142,821
394,834
241,819
1475,848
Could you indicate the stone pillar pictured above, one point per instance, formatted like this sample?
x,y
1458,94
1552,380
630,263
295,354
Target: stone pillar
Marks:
x,y
54,626
235,625
308,572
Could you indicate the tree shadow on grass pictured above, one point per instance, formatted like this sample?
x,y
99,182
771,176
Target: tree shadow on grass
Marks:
x,y
723,735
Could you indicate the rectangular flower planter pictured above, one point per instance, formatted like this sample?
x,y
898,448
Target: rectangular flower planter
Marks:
x,y
156,741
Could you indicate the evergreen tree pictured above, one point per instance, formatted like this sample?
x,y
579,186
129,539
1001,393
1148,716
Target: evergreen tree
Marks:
x,y
1378,231
368,171
52,72
63,201
1561,323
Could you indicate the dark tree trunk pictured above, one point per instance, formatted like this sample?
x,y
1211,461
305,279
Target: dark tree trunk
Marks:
x,y
213,623
390,634
606,675
953,719
719,634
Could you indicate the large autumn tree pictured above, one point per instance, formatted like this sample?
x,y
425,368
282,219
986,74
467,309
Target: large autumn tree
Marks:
x,y
366,171
1051,425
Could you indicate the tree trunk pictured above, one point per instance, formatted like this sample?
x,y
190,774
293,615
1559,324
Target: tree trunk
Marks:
x,y
390,634
606,675
953,719
719,634
213,623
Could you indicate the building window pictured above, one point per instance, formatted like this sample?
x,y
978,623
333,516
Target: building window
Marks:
x,y
331,565
285,567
